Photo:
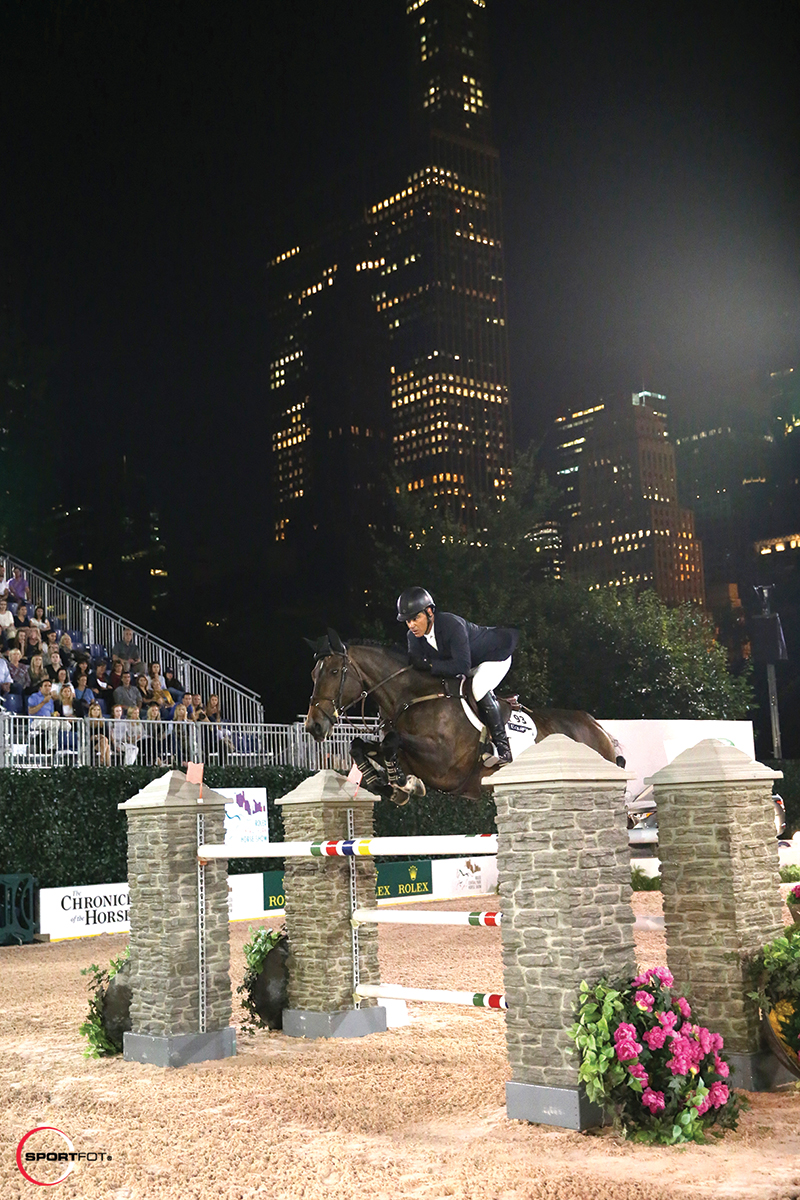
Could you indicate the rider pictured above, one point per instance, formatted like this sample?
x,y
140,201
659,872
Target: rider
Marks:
x,y
447,645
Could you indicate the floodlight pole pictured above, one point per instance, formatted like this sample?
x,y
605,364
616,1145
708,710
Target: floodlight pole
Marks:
x,y
772,686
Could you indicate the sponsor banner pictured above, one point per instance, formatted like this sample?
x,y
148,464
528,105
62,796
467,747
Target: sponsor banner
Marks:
x,y
647,746
246,816
464,876
83,911
404,880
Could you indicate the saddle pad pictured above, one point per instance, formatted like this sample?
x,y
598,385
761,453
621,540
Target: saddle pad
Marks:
x,y
520,728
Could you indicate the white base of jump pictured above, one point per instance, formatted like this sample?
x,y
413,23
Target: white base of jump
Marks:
x,y
369,991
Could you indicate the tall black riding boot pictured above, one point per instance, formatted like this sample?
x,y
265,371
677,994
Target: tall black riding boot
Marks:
x,y
490,711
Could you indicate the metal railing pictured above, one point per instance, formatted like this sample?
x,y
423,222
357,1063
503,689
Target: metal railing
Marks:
x,y
36,742
68,609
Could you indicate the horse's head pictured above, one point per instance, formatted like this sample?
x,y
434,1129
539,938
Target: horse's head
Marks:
x,y
332,687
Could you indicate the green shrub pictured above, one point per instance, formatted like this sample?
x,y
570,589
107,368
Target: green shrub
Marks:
x,y
790,874
641,882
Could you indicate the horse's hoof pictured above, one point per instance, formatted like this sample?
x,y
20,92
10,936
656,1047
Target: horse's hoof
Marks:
x,y
414,786
399,798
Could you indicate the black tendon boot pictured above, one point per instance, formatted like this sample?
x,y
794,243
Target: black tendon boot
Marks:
x,y
370,776
490,711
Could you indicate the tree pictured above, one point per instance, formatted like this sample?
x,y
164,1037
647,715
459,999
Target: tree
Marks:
x,y
613,652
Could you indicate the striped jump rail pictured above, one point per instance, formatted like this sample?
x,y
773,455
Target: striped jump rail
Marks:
x,y
391,916
458,844
388,991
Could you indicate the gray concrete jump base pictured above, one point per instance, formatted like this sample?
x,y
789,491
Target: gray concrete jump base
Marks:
x,y
179,1049
349,1023
566,1107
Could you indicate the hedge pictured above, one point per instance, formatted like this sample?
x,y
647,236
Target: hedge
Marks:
x,y
64,827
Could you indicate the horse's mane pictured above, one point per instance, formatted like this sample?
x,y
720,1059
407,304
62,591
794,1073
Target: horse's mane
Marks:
x,y
396,652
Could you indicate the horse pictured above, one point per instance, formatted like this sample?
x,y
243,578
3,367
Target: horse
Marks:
x,y
425,727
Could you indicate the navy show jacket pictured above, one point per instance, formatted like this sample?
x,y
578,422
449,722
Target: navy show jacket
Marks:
x,y
462,645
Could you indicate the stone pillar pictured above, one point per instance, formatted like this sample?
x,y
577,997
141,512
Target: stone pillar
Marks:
x,y
565,883
318,910
719,871
165,948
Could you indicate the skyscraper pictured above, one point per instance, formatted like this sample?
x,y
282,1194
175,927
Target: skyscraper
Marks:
x,y
436,258
631,528
389,340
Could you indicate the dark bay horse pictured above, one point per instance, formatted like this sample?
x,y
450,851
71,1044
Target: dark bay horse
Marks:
x,y
437,742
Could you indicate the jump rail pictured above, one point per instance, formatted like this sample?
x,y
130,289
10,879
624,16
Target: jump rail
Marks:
x,y
484,843
384,916
388,991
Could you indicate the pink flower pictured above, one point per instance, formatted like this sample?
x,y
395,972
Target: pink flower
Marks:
x,y
795,892
721,1067
624,1030
664,977
716,1041
703,1106
704,1038
668,1019
718,1094
653,1100
638,1072
656,1037
644,1001
683,1005
627,1049
658,974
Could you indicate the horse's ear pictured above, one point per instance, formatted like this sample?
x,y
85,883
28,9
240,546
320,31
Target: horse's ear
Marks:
x,y
337,645
309,642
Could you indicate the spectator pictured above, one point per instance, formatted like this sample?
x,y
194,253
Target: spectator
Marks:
x,y
20,675
212,709
84,696
5,677
197,705
50,644
157,680
126,650
66,651
155,735
159,695
61,680
115,678
18,588
33,644
118,729
127,694
184,737
53,663
41,704
65,703
174,685
6,618
100,683
39,620
99,747
3,582
21,618
135,732
144,687
37,672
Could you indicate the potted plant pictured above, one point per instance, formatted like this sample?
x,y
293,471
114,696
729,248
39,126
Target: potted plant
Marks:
x,y
775,972
793,903
662,1078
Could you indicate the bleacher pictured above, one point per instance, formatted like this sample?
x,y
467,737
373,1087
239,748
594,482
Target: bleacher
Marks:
x,y
240,737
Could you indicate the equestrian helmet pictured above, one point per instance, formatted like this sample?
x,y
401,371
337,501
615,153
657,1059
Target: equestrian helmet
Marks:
x,y
412,601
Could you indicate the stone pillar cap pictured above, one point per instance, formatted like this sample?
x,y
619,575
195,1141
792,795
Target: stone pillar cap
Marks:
x,y
558,759
172,790
327,786
712,761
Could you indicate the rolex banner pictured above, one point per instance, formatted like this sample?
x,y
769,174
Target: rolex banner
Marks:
x,y
403,879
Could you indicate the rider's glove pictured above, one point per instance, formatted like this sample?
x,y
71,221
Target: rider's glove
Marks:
x,y
421,664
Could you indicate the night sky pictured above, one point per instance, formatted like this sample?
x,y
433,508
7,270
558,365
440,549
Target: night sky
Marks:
x,y
155,155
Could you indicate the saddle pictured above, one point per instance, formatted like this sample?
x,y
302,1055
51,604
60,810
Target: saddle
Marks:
x,y
460,688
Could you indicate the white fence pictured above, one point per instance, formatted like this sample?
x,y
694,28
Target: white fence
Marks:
x,y
31,742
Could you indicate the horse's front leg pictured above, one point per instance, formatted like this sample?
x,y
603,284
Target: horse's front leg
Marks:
x,y
366,756
407,784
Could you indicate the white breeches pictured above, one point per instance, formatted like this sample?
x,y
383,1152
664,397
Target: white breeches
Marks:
x,y
487,676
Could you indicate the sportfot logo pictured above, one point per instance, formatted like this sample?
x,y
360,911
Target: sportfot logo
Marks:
x,y
46,1156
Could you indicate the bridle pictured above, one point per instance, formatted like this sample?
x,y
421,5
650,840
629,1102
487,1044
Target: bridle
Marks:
x,y
337,710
